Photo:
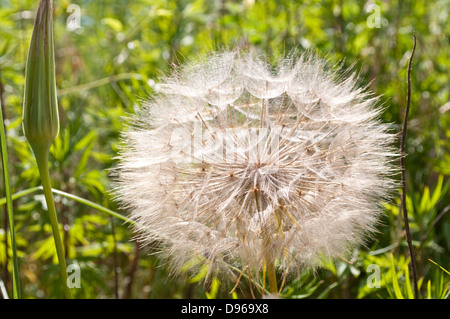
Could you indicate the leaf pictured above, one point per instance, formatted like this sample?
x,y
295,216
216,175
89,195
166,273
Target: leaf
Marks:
x,y
114,24
429,289
327,290
437,193
310,290
46,249
212,294
88,144
395,283
88,139
200,275
409,290
425,201
439,266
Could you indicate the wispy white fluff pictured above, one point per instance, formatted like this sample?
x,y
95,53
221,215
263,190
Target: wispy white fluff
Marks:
x,y
238,163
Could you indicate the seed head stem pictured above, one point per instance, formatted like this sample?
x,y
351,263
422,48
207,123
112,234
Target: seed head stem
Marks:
x,y
271,273
270,266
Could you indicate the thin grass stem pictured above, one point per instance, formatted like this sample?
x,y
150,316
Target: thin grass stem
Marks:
x,y
269,264
9,203
42,162
70,196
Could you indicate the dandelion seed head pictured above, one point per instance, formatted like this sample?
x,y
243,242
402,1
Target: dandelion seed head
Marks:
x,y
238,163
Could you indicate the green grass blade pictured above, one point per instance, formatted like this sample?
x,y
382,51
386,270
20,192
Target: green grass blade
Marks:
x,y
409,289
20,194
7,181
42,162
93,205
442,268
70,196
395,284
3,291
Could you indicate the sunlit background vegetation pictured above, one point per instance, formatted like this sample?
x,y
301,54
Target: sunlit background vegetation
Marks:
x,y
112,61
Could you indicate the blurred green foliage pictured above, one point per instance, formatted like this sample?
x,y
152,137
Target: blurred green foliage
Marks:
x,y
112,61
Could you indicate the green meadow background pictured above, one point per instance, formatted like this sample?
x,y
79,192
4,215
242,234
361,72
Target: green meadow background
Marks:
x,y
111,62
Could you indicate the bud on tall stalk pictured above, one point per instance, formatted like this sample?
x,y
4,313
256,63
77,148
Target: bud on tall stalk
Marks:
x,y
40,113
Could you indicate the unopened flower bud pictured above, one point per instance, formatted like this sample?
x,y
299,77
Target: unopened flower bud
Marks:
x,y
40,109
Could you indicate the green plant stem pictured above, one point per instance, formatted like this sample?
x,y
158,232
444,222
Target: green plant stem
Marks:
x,y
270,266
93,205
42,162
263,289
271,273
20,194
70,196
98,83
7,180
